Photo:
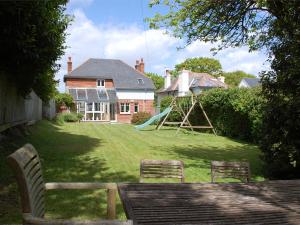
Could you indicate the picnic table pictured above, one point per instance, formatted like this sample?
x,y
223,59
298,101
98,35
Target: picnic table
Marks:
x,y
272,202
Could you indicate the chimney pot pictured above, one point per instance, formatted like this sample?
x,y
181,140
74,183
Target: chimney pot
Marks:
x,y
69,64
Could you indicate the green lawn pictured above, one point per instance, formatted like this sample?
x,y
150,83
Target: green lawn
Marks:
x,y
111,153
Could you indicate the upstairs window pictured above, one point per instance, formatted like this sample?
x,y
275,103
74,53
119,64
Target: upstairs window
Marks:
x,y
140,81
100,83
125,108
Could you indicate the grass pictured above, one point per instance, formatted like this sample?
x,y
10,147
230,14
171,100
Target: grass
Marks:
x,y
112,153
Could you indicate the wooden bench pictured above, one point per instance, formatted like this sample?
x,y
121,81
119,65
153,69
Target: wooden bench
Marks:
x,y
237,170
161,169
25,163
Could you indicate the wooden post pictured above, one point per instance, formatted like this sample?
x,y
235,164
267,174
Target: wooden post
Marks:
x,y
186,117
159,125
111,204
207,118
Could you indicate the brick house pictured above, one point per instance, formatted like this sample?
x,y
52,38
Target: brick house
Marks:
x,y
109,89
187,82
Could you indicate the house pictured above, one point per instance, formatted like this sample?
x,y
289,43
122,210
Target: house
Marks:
x,y
188,82
249,82
109,89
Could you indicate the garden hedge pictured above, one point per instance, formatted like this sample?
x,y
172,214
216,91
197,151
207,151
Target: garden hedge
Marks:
x,y
233,112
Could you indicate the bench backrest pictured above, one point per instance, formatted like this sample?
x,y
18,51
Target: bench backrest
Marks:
x,y
25,163
223,169
161,169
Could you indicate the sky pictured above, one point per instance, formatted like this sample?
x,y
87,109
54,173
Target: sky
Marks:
x,y
115,29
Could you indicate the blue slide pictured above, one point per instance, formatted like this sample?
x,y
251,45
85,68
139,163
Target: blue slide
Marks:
x,y
153,118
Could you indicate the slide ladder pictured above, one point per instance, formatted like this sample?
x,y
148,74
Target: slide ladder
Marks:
x,y
154,118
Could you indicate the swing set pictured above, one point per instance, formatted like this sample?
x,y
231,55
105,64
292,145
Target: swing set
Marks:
x,y
189,105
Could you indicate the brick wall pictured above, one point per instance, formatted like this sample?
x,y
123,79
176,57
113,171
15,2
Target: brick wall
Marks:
x,y
81,83
87,83
144,106
109,83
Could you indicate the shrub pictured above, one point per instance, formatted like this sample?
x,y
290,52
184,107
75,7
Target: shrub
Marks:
x,y
140,117
233,112
59,119
165,102
64,99
68,117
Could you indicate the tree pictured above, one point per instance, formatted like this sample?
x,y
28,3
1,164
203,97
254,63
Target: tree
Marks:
x,y
201,65
64,99
269,24
281,87
234,78
231,23
157,80
32,40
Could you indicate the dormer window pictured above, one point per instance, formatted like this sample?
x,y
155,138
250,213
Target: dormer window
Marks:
x,y
140,81
100,83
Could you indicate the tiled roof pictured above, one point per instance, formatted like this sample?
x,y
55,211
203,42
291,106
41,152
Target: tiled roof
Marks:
x,y
123,75
203,80
93,95
252,82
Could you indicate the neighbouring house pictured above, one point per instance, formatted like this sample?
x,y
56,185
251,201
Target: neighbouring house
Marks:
x,y
188,82
109,89
249,82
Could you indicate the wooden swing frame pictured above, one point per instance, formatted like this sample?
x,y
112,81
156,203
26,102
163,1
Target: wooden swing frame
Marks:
x,y
185,123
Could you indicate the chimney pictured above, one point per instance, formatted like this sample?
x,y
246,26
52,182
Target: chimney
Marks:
x,y
167,79
69,64
137,65
183,80
221,78
142,66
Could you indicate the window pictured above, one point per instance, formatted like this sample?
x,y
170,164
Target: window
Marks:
x,y
140,81
136,107
81,94
102,94
89,107
99,106
125,108
100,83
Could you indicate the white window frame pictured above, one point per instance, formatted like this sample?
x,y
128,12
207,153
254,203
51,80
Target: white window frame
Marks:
x,y
125,112
100,81
138,107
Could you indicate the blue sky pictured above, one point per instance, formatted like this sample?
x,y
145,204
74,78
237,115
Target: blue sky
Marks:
x,y
116,29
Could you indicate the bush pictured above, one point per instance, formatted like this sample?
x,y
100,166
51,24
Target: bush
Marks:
x,y
233,112
68,117
64,99
140,117
165,102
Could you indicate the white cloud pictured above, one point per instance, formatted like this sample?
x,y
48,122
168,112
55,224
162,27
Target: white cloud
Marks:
x,y
128,43
79,3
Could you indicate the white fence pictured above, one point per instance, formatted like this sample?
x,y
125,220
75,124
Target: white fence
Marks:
x,y
15,110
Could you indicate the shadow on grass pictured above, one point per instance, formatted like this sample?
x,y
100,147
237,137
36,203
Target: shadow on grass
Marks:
x,y
199,157
64,158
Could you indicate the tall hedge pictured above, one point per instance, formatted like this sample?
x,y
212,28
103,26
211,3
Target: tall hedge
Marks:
x,y
233,112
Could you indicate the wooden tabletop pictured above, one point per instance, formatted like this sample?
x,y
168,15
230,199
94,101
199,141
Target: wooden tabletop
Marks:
x,y
274,202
